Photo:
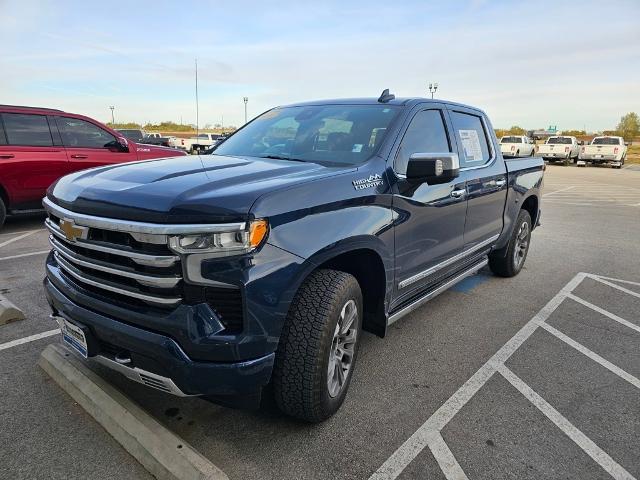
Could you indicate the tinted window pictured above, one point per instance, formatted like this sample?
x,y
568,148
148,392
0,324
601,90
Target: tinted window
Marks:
x,y
426,134
559,141
511,140
472,139
326,134
606,141
78,133
3,138
30,130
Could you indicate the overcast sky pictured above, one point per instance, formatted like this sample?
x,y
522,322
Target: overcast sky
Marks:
x,y
574,64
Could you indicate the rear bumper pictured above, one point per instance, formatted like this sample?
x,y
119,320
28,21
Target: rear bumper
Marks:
x,y
161,356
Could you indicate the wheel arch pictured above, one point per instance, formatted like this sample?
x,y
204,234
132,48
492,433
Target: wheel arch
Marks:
x,y
530,204
372,268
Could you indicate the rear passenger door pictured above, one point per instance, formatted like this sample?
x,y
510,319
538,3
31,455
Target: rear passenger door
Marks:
x,y
88,145
430,225
485,174
31,159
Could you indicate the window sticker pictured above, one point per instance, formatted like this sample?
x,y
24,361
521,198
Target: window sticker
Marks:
x,y
357,148
471,145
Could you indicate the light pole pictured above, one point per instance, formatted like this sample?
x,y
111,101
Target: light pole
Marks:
x,y
113,122
246,100
432,88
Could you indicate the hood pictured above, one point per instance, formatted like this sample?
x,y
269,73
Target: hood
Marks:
x,y
192,189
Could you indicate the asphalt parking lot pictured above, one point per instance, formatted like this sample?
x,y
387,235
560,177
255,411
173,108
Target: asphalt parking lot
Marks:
x,y
530,377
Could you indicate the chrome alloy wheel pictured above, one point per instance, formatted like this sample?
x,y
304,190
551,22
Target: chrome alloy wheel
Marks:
x,y
522,244
342,348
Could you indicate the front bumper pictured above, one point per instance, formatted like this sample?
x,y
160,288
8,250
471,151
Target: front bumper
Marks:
x,y
160,355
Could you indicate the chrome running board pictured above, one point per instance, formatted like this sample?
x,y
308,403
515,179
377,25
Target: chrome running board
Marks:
x,y
433,293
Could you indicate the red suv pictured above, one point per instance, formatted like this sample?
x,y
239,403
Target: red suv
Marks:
x,y
40,145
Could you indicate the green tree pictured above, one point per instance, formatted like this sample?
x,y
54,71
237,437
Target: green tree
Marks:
x,y
629,126
515,130
574,133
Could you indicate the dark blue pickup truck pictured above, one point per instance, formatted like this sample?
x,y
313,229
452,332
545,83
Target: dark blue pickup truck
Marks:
x,y
256,269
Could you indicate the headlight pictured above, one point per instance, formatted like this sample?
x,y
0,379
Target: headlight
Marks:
x,y
221,244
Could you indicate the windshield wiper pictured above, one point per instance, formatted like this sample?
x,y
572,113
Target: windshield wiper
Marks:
x,y
282,157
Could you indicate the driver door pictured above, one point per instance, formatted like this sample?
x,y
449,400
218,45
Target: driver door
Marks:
x,y
429,230
88,145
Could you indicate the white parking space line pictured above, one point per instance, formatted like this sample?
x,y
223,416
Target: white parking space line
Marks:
x,y
21,231
429,433
579,438
622,289
31,338
19,237
604,312
594,195
448,463
592,355
619,280
24,255
405,454
558,191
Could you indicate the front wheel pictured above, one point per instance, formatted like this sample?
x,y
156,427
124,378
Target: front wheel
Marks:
x,y
508,261
318,346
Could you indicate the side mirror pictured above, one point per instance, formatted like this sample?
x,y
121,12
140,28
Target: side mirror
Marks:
x,y
433,168
123,144
627,143
581,142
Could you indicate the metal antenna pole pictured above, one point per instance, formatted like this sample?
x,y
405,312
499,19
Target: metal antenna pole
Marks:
x,y
197,105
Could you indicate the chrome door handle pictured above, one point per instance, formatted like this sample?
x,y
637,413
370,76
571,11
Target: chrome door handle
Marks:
x,y
501,183
458,193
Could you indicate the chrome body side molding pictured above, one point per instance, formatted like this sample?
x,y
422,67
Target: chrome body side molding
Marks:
x,y
425,273
428,296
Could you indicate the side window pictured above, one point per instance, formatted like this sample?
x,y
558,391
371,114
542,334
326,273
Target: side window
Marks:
x,y
426,134
78,133
472,139
3,137
28,130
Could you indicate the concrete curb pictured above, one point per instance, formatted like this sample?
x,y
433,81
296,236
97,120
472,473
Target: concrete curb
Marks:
x,y
9,312
162,453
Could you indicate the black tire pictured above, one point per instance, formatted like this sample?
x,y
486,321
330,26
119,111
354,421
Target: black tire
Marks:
x,y
505,262
3,213
300,375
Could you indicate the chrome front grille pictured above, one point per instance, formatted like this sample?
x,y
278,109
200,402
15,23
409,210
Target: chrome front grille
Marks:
x,y
120,265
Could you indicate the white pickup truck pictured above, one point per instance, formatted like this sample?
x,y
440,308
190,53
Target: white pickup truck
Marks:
x,y
604,150
562,148
199,143
517,146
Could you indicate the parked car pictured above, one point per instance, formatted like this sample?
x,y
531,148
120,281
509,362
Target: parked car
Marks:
x,y
609,150
517,146
132,134
563,149
40,145
263,263
158,139
200,142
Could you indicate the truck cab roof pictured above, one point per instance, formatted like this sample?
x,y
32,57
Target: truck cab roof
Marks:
x,y
403,101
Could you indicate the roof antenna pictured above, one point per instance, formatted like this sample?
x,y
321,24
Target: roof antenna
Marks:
x,y
386,96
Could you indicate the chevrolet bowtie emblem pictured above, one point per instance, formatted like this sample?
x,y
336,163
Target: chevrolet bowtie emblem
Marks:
x,y
71,231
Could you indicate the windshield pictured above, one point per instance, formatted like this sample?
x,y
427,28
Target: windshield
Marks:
x,y
559,140
332,134
511,140
606,141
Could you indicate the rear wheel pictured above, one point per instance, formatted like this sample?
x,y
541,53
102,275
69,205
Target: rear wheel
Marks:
x,y
3,212
318,346
508,261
